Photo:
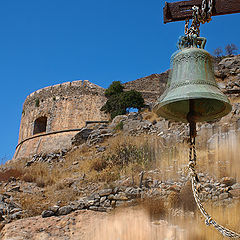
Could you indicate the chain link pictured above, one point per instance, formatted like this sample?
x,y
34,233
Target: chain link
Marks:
x,y
210,8
204,14
195,188
199,17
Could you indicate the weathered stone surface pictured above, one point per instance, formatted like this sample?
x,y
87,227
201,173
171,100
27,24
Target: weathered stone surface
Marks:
x,y
235,193
105,192
47,213
151,86
236,186
94,208
64,210
228,181
66,106
81,137
118,119
54,208
121,196
102,199
92,225
223,196
73,226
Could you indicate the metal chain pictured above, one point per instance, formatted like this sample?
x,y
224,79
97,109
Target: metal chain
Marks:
x,y
197,18
195,26
204,14
210,8
195,188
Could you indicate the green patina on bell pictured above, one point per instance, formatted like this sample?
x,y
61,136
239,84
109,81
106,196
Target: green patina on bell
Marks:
x,y
192,86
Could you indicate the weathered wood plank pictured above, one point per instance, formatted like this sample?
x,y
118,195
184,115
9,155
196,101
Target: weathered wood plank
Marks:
x,y
179,11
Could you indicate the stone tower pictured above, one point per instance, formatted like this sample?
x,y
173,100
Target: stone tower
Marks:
x,y
52,116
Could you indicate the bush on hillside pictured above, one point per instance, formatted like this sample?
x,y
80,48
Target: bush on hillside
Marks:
x,y
120,101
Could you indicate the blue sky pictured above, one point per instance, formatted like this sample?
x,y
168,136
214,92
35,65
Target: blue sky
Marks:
x,y
45,42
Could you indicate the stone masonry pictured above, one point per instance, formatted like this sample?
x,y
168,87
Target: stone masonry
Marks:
x,y
54,109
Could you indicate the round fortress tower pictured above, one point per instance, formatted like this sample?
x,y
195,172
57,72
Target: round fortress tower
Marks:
x,y
52,116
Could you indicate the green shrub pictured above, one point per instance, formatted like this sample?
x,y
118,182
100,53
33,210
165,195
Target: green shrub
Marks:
x,y
119,101
119,126
37,102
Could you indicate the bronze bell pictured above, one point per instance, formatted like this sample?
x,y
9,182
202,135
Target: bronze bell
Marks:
x,y
191,86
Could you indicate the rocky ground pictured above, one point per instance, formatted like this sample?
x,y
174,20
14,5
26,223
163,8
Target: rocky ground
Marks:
x,y
70,219
76,225
89,225
56,196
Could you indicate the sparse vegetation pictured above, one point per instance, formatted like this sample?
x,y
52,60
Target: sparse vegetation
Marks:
x,y
119,101
119,126
230,49
37,102
124,158
40,174
218,52
10,173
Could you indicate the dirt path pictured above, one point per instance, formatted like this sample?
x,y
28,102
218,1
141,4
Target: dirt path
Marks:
x,y
76,225
89,225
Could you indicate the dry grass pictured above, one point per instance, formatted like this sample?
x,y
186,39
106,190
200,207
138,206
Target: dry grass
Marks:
x,y
136,223
219,159
150,116
125,155
44,176
33,204
234,99
10,173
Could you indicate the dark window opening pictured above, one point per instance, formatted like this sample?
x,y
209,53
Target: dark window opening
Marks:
x,y
40,125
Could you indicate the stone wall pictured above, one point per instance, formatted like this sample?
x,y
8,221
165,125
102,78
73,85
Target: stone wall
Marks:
x,y
65,106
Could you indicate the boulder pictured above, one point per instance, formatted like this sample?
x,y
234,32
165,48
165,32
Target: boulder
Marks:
x,y
118,119
64,210
228,181
47,213
105,192
81,137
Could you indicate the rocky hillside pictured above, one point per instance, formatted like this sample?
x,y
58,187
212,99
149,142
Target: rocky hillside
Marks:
x,y
151,86
227,73
136,165
114,166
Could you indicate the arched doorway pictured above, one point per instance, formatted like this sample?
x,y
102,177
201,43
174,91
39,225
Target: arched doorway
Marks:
x,y
40,125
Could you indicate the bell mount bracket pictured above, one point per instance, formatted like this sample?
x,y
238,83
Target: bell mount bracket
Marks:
x,y
182,10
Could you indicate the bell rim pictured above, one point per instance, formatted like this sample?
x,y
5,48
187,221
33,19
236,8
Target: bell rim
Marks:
x,y
158,108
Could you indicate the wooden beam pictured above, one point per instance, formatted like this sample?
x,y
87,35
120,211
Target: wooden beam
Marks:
x,y
179,11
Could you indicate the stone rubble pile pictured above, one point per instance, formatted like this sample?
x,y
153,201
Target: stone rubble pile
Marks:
x,y
222,192
92,136
9,210
170,132
48,158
